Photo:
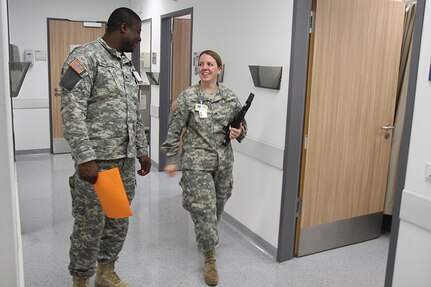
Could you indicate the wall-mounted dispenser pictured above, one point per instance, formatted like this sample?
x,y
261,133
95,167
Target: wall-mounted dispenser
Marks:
x,y
429,76
154,58
17,70
196,61
266,76
153,78
29,56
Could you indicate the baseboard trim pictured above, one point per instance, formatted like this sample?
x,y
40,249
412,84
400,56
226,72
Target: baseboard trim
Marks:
x,y
154,165
250,236
32,151
416,209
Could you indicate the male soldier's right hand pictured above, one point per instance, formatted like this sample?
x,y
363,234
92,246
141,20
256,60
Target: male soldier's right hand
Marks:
x,y
88,171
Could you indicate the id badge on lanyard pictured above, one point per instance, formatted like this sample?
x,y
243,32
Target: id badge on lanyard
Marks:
x,y
202,109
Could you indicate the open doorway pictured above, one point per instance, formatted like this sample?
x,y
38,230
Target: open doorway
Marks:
x,y
291,203
351,103
175,65
141,59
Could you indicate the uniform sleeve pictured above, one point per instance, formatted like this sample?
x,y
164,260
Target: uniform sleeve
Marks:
x,y
244,131
244,124
178,121
76,92
141,138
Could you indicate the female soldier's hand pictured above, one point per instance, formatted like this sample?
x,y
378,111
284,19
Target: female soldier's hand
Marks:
x,y
171,169
234,133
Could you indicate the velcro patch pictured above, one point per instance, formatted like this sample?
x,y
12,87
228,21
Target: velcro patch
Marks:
x,y
69,79
76,65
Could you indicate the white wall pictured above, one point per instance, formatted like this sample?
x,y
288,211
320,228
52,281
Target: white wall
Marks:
x,y
28,30
11,273
413,257
243,33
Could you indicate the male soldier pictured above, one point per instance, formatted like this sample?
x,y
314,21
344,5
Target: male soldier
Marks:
x,y
102,124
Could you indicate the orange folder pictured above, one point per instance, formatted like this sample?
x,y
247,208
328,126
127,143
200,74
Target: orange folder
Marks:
x,y
112,195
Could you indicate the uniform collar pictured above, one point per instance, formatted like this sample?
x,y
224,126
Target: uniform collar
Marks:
x,y
113,51
220,94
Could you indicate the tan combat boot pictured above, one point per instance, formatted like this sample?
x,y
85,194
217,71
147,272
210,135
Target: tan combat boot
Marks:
x,y
81,281
107,277
210,269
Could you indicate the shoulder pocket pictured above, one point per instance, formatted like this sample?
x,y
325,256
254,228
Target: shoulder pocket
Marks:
x,y
69,79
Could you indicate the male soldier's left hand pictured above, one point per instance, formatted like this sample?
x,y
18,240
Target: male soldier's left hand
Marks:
x,y
145,162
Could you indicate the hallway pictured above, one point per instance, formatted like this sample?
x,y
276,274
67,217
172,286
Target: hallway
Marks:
x,y
160,249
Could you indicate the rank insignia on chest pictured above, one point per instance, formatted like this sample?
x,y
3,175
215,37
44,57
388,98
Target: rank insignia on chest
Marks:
x,y
76,65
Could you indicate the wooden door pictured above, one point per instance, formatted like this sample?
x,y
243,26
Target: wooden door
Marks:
x,y
64,35
356,58
181,56
181,60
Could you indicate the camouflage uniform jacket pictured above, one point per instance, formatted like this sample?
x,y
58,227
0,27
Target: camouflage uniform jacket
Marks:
x,y
100,104
203,138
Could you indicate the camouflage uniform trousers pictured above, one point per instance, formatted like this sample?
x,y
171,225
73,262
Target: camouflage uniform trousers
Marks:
x,y
205,194
96,237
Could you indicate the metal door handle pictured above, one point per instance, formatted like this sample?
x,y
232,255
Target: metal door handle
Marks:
x,y
387,127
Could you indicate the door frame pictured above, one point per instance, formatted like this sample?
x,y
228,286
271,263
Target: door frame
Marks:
x,y
405,139
136,60
294,129
165,74
295,126
51,142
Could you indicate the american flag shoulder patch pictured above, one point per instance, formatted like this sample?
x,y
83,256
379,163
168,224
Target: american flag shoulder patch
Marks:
x,y
76,65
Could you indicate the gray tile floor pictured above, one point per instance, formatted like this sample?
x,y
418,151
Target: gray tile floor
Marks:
x,y
160,249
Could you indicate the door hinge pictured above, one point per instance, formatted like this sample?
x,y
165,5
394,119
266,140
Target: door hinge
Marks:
x,y
311,19
298,206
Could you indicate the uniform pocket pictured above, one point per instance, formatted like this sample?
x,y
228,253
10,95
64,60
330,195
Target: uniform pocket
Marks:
x,y
107,78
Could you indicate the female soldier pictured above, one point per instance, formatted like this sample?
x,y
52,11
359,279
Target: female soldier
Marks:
x,y
205,111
